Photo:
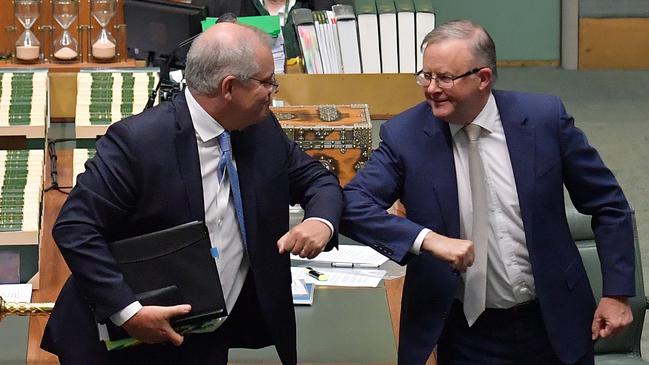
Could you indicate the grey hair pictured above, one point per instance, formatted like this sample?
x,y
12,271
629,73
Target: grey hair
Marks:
x,y
211,59
482,45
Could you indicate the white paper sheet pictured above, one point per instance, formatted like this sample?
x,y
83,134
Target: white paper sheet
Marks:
x,y
341,277
348,254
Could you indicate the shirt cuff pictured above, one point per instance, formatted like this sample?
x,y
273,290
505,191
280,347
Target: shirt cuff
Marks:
x,y
416,246
125,314
331,226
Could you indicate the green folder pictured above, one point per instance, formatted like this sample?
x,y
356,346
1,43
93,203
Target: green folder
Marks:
x,y
267,23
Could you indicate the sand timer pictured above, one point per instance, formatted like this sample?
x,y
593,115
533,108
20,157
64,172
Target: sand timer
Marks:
x,y
104,44
28,48
65,12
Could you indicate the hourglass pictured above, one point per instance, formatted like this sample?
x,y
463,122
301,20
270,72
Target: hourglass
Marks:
x,y
104,44
28,48
65,12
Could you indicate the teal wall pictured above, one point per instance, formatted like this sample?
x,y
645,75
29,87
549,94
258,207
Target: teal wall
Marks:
x,y
522,29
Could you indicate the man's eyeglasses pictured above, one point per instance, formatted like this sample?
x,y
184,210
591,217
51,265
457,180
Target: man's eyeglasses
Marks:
x,y
271,85
443,81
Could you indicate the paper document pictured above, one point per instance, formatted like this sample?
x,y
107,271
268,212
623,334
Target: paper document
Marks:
x,y
341,277
16,292
349,254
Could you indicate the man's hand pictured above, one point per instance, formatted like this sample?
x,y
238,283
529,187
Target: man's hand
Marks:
x,y
151,324
611,316
307,239
458,253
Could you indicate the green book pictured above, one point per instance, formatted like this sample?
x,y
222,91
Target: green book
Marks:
x,y
404,6
385,7
364,7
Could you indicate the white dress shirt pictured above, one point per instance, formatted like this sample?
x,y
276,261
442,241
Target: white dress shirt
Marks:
x,y
509,272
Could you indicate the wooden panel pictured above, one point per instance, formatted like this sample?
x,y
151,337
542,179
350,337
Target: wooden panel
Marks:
x,y
52,269
619,43
386,94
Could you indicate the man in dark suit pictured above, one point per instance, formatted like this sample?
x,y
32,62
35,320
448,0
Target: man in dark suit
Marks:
x,y
481,173
159,169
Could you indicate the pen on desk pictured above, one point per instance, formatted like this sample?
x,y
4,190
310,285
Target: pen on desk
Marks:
x,y
316,274
353,265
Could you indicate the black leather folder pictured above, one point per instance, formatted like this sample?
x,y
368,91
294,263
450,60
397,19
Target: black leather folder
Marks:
x,y
170,267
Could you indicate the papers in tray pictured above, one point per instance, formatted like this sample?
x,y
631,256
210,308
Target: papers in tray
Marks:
x,y
348,256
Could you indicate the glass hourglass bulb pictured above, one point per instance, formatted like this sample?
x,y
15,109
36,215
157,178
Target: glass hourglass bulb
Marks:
x,y
27,45
65,13
103,46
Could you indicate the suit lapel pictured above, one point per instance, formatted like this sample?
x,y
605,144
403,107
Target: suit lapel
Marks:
x,y
521,143
440,166
187,155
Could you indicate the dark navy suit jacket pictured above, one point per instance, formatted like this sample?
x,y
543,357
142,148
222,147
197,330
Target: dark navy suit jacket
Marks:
x,y
414,163
146,177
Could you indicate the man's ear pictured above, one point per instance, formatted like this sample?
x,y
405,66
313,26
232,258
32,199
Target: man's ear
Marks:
x,y
486,77
227,86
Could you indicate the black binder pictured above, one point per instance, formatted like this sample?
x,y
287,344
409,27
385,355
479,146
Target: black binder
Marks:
x,y
170,267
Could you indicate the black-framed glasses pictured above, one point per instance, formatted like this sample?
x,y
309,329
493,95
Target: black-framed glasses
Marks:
x,y
271,85
443,81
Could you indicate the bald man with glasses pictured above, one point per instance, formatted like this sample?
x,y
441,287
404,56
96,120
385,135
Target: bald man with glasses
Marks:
x,y
493,274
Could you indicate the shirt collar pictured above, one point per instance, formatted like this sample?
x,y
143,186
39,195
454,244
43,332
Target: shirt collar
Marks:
x,y
485,119
205,126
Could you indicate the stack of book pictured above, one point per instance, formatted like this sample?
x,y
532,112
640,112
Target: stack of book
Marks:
x,y
21,183
105,97
79,158
368,36
23,103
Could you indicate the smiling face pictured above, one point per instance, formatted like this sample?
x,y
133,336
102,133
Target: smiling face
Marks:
x,y
462,102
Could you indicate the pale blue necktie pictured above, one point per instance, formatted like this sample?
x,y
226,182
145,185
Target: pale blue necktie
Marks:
x,y
226,163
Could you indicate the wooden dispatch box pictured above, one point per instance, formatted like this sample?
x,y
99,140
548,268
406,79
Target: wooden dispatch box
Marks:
x,y
339,136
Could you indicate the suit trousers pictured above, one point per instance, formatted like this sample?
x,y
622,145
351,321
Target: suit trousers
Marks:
x,y
500,337
244,328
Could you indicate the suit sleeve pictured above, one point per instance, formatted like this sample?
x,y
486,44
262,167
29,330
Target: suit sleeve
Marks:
x,y
98,204
314,188
368,196
594,191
